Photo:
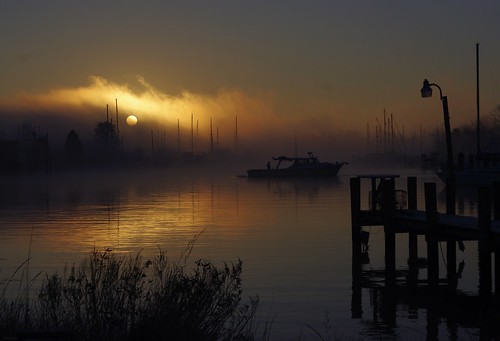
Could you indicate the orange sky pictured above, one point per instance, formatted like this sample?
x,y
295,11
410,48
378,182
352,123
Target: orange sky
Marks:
x,y
317,71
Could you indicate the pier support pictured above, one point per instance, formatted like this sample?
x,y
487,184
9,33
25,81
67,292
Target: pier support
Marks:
x,y
389,207
431,234
451,262
356,298
411,186
355,217
483,245
497,269
496,200
496,250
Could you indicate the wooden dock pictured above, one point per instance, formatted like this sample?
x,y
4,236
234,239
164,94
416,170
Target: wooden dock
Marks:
x,y
404,217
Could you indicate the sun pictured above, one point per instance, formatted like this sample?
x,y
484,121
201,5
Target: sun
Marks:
x,y
131,120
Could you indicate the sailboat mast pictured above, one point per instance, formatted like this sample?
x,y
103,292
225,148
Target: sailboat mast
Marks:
x,y
117,128
385,133
236,135
178,136
192,136
295,147
211,137
477,105
392,133
367,138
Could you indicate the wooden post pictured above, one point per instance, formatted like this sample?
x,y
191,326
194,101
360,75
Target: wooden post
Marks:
x,y
496,200
356,298
496,247
484,250
497,269
355,217
431,234
389,207
451,262
411,185
374,194
357,289
412,205
432,319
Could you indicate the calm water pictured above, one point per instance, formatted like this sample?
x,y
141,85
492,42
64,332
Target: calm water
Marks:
x,y
293,238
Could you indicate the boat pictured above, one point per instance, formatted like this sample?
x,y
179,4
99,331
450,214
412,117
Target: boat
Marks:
x,y
474,177
478,176
308,166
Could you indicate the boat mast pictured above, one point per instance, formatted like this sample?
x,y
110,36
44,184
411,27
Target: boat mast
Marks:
x,y
392,133
236,135
211,137
295,147
385,133
367,138
117,128
178,137
477,105
192,136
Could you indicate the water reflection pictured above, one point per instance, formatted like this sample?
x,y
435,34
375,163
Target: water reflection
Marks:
x,y
466,200
447,313
293,236
303,187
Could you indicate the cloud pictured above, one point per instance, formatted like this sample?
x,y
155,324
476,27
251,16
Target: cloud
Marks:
x,y
260,124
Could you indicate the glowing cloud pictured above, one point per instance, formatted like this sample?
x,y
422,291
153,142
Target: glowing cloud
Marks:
x,y
258,121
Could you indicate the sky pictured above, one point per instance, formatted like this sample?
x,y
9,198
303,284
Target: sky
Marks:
x,y
316,72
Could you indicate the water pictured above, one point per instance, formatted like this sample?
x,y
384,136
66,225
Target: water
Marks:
x,y
293,237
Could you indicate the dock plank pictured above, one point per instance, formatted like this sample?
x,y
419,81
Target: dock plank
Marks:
x,y
460,227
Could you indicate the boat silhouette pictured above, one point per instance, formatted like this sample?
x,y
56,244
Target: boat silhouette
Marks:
x,y
308,166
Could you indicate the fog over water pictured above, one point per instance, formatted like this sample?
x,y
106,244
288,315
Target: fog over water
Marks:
x,y
292,235
219,87
229,119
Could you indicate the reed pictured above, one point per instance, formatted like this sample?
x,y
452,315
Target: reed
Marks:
x,y
111,297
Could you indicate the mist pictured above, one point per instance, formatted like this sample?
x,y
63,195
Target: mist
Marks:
x,y
230,119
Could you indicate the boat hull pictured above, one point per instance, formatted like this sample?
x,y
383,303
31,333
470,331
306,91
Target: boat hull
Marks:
x,y
473,177
322,171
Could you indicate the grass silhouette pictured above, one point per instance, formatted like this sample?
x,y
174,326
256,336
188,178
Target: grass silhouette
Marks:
x,y
111,297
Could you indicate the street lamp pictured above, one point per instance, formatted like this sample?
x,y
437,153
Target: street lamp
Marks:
x,y
426,91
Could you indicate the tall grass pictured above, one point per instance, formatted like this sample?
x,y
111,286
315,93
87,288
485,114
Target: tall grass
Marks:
x,y
111,297
15,311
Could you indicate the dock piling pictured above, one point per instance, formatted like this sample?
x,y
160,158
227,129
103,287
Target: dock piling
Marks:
x,y
388,208
431,234
411,186
436,227
496,247
484,249
355,217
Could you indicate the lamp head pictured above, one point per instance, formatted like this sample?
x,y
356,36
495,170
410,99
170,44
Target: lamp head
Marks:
x,y
426,90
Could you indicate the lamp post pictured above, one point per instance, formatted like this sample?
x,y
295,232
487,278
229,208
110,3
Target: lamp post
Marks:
x,y
426,91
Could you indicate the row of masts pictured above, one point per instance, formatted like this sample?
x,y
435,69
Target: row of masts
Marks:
x,y
388,137
108,121
158,139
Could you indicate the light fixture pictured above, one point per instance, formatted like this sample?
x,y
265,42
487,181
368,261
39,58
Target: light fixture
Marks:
x,y
426,90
